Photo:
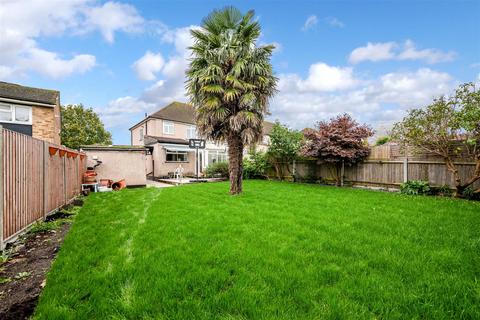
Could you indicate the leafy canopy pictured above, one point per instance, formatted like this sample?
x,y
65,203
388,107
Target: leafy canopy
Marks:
x,y
284,143
449,128
337,140
230,78
82,126
255,165
382,140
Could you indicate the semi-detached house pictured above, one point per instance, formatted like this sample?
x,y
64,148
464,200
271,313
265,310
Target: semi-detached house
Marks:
x,y
166,133
31,111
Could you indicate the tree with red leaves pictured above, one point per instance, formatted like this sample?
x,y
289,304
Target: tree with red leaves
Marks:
x,y
342,140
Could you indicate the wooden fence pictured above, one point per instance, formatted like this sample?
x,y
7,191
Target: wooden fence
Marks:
x,y
36,178
386,173
387,166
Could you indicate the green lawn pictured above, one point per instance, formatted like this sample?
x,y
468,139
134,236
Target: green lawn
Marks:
x,y
278,251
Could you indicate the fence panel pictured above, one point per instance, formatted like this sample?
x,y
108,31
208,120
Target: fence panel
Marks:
x,y
34,182
387,173
54,181
375,172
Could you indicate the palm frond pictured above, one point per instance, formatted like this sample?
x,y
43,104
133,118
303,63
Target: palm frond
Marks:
x,y
230,80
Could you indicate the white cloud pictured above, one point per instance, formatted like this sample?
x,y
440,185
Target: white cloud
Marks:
x,y
313,20
118,112
429,55
411,89
321,77
170,76
50,64
334,22
373,52
112,17
394,51
126,104
24,22
19,56
310,22
180,38
148,65
378,101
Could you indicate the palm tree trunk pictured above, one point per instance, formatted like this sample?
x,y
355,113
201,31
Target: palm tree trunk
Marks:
x,y
235,156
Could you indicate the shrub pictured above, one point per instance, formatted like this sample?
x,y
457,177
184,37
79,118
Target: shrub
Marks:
x,y
255,165
444,190
217,170
468,193
415,187
382,140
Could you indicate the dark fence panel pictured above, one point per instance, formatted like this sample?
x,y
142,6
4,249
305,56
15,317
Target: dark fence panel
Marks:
x,y
33,181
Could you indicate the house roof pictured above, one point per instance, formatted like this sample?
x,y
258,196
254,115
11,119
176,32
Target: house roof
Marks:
x,y
184,112
100,147
153,139
267,127
23,93
176,111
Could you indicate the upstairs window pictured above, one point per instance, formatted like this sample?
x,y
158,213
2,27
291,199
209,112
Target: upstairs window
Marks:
x,y
191,132
6,112
141,134
15,114
168,127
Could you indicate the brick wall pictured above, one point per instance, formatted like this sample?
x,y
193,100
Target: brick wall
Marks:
x,y
46,123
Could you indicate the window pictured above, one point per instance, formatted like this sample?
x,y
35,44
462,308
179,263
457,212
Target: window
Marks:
x,y
141,134
15,114
6,112
176,156
191,132
168,127
217,156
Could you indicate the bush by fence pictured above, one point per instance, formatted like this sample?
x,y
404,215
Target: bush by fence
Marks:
x,y
36,178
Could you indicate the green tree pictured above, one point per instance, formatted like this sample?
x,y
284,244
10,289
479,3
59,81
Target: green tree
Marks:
x,y
229,81
382,140
255,165
82,126
449,128
284,146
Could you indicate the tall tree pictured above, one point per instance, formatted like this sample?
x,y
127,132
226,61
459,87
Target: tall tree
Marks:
x,y
82,126
339,141
449,128
284,146
229,81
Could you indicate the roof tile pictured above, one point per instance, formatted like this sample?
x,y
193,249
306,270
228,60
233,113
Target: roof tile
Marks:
x,y
16,91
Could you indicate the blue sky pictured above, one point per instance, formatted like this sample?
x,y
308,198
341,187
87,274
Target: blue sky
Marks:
x,y
372,59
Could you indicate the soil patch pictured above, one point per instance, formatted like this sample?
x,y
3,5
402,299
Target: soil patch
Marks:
x,y
22,277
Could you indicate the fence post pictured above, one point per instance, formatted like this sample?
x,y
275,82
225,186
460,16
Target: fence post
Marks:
x,y
294,169
342,173
45,179
65,179
2,193
405,169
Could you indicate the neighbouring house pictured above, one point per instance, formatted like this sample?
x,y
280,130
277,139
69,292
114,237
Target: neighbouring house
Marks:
x,y
166,133
118,162
31,111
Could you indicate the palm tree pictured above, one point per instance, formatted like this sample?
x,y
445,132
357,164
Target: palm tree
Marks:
x,y
229,81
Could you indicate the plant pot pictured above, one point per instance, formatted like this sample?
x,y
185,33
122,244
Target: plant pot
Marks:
x,y
119,185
